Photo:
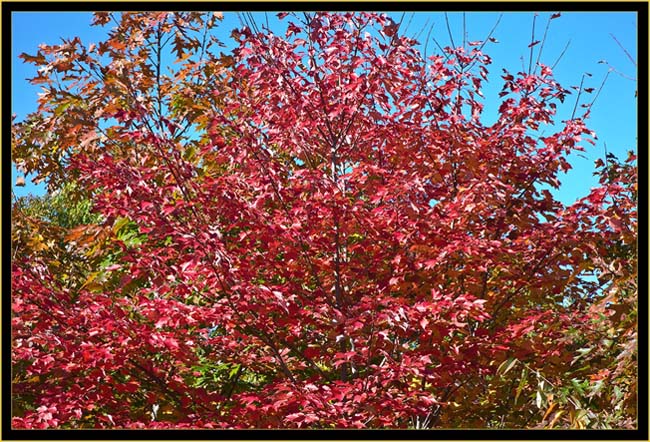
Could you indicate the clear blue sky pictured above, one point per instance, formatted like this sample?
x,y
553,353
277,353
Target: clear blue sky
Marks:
x,y
613,118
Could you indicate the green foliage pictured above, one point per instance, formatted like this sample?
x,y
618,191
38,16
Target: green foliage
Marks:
x,y
66,207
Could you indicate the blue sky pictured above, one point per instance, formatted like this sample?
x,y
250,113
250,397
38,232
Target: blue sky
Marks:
x,y
613,118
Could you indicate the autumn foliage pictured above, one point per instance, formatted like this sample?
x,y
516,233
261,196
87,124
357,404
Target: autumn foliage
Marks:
x,y
316,230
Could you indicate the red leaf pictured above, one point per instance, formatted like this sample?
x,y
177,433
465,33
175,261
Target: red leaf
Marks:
x,y
311,352
431,263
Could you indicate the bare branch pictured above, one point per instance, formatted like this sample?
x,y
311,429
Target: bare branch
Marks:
x,y
561,54
541,47
624,50
451,37
532,44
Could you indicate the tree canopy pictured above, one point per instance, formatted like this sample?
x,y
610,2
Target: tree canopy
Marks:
x,y
316,230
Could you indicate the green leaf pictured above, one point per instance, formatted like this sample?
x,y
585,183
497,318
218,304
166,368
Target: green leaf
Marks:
x,y
190,153
522,383
233,371
60,109
119,223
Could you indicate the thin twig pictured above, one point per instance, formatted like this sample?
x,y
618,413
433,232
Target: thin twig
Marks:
x,y
600,88
451,37
426,43
409,23
532,45
417,37
624,50
578,97
541,46
561,54
464,31
616,71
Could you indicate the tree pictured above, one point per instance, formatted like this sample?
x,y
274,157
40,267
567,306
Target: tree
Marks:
x,y
315,231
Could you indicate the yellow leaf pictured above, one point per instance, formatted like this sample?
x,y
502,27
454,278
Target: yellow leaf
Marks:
x,y
555,418
36,242
549,410
90,279
506,366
